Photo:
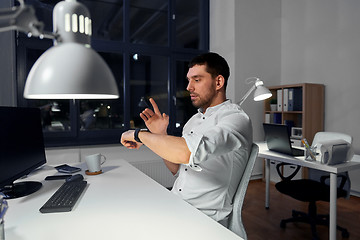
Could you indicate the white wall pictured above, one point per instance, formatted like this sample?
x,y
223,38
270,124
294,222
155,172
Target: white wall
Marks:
x,y
222,37
321,44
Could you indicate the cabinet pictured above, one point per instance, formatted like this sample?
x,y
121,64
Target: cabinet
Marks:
x,y
301,107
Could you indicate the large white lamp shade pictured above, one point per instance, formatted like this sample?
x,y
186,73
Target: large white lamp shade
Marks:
x,y
70,71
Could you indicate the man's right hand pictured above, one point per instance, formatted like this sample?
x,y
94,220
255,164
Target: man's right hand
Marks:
x,y
155,121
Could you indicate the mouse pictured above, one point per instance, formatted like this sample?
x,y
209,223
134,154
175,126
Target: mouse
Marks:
x,y
76,177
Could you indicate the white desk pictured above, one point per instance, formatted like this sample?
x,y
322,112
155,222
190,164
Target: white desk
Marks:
x,y
120,203
264,152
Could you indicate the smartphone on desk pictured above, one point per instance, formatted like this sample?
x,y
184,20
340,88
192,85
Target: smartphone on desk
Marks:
x,y
64,168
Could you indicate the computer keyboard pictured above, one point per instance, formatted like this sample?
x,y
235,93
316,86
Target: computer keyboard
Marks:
x,y
65,198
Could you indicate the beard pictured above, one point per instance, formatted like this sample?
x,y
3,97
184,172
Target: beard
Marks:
x,y
203,101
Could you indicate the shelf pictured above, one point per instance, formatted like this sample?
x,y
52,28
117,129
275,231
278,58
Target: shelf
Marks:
x,y
307,97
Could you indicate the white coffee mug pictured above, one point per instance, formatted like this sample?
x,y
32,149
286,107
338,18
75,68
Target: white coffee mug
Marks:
x,y
94,162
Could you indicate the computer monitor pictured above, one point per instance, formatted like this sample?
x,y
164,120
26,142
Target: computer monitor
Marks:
x,y
21,149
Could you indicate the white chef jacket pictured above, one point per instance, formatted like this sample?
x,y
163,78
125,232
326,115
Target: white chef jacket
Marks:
x,y
220,143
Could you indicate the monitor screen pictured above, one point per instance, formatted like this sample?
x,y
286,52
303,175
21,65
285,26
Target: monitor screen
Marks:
x,y
21,149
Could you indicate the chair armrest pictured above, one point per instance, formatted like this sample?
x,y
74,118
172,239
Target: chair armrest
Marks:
x,y
287,178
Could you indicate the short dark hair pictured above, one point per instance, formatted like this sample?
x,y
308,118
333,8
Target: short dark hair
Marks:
x,y
215,65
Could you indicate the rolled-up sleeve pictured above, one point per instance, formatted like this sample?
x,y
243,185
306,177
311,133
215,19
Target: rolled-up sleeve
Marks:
x,y
226,134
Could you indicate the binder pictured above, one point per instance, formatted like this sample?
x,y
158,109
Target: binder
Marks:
x,y
291,99
277,118
279,100
267,118
285,99
295,99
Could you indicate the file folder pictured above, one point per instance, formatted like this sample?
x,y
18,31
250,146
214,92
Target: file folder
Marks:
x,y
267,118
279,100
285,99
277,118
295,99
291,99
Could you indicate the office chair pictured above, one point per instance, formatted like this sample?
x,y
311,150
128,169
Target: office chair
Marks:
x,y
313,189
234,221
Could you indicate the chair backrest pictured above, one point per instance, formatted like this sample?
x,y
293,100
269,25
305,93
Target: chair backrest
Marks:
x,y
324,136
234,221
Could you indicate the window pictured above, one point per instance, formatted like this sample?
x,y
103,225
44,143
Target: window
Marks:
x,y
146,44
188,28
148,22
148,78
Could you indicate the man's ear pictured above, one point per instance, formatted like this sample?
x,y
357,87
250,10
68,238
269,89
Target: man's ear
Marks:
x,y
220,81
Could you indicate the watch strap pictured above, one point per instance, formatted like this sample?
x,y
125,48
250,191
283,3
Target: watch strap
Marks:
x,y
136,135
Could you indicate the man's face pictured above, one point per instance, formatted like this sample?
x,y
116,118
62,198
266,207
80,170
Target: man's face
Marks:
x,y
202,86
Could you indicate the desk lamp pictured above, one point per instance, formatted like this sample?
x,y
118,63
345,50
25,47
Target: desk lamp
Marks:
x,y
261,92
70,69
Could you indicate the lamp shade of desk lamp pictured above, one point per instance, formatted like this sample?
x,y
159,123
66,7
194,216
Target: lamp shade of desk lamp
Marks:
x,y
71,69
260,93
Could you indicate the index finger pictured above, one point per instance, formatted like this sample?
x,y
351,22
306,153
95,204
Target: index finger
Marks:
x,y
155,106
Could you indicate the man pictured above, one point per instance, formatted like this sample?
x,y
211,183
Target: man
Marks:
x,y
211,155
